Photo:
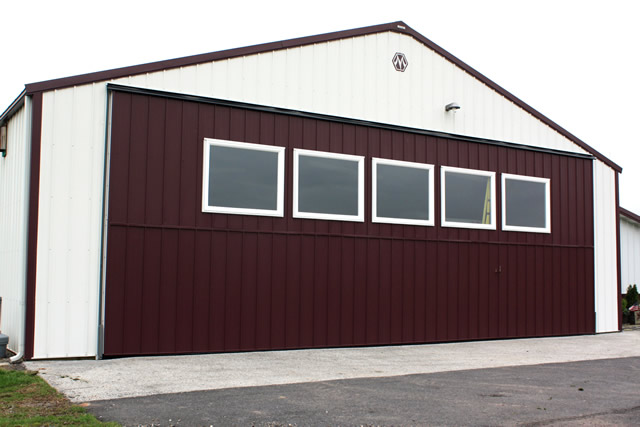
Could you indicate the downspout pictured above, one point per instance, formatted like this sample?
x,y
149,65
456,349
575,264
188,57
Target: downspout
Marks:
x,y
23,301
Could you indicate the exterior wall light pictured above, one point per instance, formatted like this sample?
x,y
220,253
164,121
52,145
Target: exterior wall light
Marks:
x,y
3,141
452,106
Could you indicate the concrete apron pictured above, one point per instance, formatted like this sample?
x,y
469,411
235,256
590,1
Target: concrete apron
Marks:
x,y
87,380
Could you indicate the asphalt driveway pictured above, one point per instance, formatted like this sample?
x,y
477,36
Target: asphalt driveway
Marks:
x,y
470,383
595,392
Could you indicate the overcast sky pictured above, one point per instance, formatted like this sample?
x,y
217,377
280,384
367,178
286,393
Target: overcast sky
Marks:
x,y
577,62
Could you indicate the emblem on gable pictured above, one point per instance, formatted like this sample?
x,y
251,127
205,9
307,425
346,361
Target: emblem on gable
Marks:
x,y
400,62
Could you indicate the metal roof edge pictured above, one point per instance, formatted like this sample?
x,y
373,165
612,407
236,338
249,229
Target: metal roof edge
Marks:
x,y
520,103
397,26
206,57
630,215
13,107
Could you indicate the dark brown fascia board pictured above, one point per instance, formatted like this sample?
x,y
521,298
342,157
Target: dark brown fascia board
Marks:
x,y
397,26
12,108
630,215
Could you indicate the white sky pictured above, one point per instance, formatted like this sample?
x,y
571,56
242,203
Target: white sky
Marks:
x,y
575,61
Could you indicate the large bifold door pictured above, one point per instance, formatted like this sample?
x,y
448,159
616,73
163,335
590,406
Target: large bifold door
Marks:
x,y
182,280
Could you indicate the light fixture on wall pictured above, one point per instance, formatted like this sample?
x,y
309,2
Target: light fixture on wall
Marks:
x,y
452,106
3,141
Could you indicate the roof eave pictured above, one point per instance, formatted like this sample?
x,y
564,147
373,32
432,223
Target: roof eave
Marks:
x,y
207,57
520,103
13,107
630,215
398,26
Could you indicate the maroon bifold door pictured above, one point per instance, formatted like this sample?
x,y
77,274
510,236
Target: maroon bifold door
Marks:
x,y
180,280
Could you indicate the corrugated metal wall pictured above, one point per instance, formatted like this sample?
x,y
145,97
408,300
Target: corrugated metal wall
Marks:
x,y
69,223
179,280
629,253
351,77
14,196
355,78
606,222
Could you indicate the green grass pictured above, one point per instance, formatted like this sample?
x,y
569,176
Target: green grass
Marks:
x,y
27,400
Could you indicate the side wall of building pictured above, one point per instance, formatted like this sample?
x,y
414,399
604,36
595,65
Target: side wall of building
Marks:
x,y
351,78
69,218
629,252
14,196
605,223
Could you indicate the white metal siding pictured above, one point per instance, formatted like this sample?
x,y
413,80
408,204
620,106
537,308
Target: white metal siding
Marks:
x,y
629,253
606,266
14,209
355,78
69,222
350,78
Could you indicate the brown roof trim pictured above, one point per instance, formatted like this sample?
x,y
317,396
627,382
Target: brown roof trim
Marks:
x,y
618,257
628,214
11,109
535,113
206,57
397,26
32,224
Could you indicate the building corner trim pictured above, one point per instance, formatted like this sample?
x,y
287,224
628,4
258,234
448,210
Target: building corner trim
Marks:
x,y
618,254
32,239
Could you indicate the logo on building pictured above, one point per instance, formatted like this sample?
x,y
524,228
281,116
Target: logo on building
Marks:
x,y
400,62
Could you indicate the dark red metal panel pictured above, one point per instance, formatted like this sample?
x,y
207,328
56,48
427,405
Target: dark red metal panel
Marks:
x,y
168,291
182,281
373,290
32,242
264,291
184,290
360,292
217,295
278,318
201,291
132,296
114,300
151,309
248,300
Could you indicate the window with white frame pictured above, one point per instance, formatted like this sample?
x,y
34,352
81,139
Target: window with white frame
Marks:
x,y
402,192
526,204
468,198
328,185
242,178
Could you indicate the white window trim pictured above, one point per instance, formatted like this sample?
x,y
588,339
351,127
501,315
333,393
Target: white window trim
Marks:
x,y
492,177
210,142
314,215
374,192
547,192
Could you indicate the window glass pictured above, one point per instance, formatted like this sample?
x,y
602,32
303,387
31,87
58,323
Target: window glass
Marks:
x,y
468,198
525,203
243,178
328,186
402,192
